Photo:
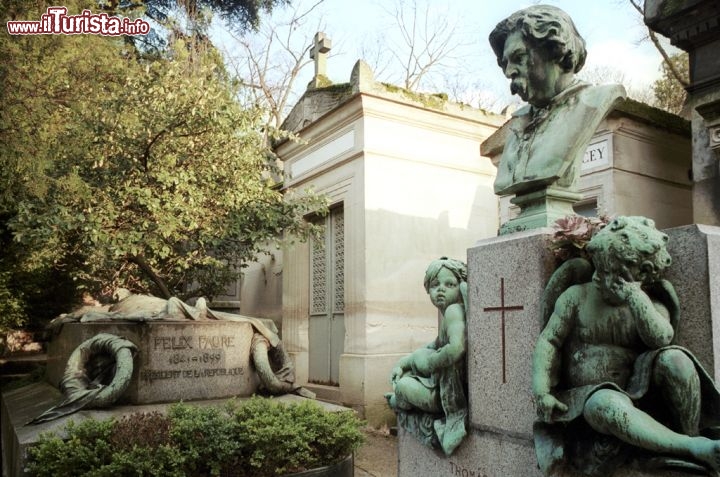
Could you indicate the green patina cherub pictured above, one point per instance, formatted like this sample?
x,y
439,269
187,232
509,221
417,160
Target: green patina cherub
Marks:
x,y
608,382
430,396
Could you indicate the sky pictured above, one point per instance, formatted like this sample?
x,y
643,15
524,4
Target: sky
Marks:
x,y
612,29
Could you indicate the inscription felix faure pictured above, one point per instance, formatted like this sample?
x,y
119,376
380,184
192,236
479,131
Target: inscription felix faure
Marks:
x,y
187,357
169,343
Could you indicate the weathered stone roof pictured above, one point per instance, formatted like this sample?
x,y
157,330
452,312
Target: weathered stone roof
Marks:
x,y
319,100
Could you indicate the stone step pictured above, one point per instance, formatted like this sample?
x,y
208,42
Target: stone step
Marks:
x,y
21,363
13,381
330,394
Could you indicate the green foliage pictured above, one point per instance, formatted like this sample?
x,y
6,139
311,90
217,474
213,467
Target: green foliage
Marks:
x,y
122,170
669,92
85,450
12,308
241,14
204,435
258,438
160,461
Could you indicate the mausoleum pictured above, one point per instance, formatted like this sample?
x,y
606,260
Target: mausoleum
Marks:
x,y
407,184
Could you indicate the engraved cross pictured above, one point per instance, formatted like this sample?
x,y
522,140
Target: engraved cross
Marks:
x,y
502,309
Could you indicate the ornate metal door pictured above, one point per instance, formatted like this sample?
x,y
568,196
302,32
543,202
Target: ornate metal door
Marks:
x,y
327,300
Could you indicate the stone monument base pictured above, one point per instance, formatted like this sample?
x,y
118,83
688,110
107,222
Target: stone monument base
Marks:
x,y
485,454
176,360
506,279
481,454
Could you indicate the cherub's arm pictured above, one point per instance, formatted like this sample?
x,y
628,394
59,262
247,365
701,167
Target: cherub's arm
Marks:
x,y
432,344
454,350
652,318
404,364
546,357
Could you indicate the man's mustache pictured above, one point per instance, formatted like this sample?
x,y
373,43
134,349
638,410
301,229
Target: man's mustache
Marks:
x,y
517,86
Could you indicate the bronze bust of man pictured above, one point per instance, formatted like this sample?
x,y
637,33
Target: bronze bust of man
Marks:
x,y
540,50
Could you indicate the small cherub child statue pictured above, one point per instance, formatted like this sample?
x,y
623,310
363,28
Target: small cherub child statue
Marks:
x,y
430,396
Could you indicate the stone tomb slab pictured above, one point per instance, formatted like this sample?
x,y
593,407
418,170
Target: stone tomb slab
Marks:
x,y
506,279
175,360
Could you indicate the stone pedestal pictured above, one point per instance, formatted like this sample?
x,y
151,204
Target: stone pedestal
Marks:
x,y
540,209
175,361
695,273
506,279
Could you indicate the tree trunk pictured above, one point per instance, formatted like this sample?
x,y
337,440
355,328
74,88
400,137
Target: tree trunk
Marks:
x,y
139,260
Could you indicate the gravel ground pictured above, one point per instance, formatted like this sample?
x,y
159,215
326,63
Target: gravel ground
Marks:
x,y
378,456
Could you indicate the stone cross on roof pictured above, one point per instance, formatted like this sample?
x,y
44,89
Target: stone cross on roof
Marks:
x,y
318,52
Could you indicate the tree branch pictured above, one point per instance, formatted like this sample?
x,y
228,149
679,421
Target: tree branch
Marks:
x,y
656,41
667,60
140,261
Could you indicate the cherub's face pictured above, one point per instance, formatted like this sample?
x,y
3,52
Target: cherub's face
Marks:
x,y
532,76
613,283
444,289
612,287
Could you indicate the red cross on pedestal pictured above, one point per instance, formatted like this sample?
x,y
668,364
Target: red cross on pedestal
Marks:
x,y
502,309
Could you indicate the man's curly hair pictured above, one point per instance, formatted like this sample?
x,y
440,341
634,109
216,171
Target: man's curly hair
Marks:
x,y
547,27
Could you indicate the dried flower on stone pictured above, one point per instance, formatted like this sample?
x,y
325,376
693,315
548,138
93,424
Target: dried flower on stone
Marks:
x,y
572,234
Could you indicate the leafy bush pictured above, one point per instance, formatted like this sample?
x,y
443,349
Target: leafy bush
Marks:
x,y
12,311
204,435
276,439
85,450
258,438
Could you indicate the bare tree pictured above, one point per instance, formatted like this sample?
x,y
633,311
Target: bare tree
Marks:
x,y
609,74
668,92
426,43
270,60
462,86
679,75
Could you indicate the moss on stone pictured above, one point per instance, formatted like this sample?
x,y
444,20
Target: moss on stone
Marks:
x,y
655,116
322,81
337,87
434,101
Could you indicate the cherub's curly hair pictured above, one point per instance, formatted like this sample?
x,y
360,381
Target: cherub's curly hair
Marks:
x,y
547,27
458,268
629,242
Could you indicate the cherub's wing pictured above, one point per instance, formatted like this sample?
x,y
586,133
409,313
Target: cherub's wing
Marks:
x,y
573,272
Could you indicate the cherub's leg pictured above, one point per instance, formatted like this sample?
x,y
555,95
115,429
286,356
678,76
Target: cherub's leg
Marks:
x,y
411,394
612,412
679,384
